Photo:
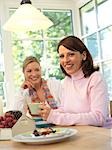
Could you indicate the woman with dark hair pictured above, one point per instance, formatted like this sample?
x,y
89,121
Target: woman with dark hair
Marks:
x,y
84,98
75,44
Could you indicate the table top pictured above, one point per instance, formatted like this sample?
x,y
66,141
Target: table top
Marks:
x,y
87,138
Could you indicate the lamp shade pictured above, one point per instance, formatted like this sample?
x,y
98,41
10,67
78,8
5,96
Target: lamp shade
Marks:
x,y
27,18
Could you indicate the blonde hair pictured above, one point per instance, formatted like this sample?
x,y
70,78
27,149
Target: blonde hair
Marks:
x,y
29,60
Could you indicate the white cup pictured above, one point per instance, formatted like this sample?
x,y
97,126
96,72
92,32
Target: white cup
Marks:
x,y
34,108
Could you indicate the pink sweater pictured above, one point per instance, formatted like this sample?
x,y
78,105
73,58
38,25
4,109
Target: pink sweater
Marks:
x,y
84,101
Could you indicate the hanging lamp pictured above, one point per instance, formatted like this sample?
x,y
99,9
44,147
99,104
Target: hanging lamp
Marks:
x,y
27,18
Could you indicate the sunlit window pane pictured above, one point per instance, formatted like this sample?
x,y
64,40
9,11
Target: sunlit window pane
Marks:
x,y
104,12
62,24
88,18
91,42
53,59
42,44
21,49
2,82
106,43
107,70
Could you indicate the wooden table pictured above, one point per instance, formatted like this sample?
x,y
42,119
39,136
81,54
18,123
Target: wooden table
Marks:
x,y
87,138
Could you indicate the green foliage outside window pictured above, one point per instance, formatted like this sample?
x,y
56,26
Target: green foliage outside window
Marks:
x,y
43,45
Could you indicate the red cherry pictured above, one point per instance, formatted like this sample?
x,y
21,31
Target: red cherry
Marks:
x,y
1,118
14,121
10,124
2,126
9,119
7,114
3,123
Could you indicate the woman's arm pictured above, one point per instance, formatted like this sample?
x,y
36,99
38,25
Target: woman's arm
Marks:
x,y
54,86
98,107
20,102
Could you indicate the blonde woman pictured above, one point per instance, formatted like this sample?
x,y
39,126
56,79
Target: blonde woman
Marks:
x,y
34,86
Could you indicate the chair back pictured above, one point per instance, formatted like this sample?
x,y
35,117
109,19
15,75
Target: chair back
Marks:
x,y
111,108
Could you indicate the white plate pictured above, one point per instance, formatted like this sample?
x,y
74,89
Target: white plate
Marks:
x,y
60,135
5,134
5,139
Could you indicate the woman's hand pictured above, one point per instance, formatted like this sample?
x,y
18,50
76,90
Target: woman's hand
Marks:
x,y
45,110
26,84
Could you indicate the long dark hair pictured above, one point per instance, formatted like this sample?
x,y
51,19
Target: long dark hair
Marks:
x,y
75,44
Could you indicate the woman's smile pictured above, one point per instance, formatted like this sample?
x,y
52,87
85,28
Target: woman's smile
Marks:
x,y
70,60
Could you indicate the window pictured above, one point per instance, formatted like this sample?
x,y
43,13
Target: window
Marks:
x,y
104,11
88,12
2,90
96,30
42,44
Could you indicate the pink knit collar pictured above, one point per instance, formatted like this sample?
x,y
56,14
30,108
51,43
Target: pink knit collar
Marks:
x,y
78,75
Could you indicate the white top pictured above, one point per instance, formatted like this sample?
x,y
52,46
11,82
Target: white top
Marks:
x,y
54,87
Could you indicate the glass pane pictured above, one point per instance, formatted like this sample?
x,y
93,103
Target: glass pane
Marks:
x,y
104,12
62,23
41,44
88,18
2,89
52,58
28,35
21,49
0,46
91,43
1,54
106,43
1,76
107,70
2,86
